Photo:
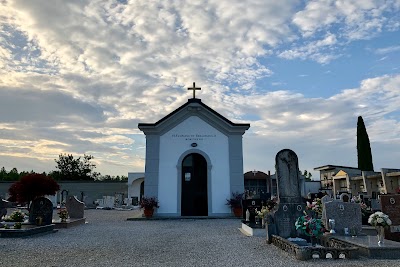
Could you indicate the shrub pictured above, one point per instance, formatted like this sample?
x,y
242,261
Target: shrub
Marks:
x,y
149,203
32,186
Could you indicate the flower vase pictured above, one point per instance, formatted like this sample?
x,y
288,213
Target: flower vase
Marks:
x,y
381,234
263,222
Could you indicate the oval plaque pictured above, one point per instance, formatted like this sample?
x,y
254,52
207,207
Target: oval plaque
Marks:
x,y
299,207
285,208
392,200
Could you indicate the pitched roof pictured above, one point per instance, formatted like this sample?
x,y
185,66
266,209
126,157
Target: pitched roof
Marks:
x,y
194,107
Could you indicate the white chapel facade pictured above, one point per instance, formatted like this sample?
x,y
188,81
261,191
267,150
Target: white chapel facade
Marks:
x,y
194,161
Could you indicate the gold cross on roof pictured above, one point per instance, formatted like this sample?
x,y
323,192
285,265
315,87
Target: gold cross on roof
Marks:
x,y
194,88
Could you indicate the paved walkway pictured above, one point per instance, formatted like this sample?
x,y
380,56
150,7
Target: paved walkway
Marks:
x,y
108,239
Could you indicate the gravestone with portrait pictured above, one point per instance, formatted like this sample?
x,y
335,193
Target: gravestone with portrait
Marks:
x,y
41,211
291,206
391,206
347,215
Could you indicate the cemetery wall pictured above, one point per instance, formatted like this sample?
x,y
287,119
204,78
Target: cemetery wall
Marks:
x,y
91,190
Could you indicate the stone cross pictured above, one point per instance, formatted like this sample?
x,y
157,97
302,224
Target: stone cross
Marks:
x,y
194,88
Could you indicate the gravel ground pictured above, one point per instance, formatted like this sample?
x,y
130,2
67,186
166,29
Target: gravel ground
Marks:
x,y
108,239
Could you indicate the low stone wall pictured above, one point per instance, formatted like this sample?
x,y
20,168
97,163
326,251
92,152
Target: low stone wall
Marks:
x,y
91,190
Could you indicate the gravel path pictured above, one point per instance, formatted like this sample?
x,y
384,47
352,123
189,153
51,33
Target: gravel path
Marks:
x,y
110,240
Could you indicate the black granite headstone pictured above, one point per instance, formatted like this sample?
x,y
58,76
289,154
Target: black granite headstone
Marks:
x,y
251,205
291,205
43,208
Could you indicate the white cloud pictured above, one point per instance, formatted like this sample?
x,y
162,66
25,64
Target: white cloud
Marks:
x,y
386,50
77,76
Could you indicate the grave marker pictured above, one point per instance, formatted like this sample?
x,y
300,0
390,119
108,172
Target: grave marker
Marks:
x,y
3,207
346,215
390,205
76,208
251,205
290,201
375,204
43,208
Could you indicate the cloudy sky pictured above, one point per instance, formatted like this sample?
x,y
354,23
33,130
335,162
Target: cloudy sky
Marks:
x,y
78,76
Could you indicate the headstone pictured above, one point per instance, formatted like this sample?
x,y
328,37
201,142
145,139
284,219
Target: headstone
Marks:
x,y
375,204
135,201
344,197
390,205
109,201
346,215
290,201
3,207
75,208
325,199
41,207
251,205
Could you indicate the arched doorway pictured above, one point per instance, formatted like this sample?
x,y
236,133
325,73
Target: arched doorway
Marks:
x,y
194,201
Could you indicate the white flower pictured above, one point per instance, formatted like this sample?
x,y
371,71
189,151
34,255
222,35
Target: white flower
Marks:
x,y
380,220
389,222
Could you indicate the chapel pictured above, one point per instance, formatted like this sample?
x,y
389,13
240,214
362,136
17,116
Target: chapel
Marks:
x,y
194,160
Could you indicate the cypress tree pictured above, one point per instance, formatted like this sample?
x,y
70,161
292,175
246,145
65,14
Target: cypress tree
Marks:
x,y
364,154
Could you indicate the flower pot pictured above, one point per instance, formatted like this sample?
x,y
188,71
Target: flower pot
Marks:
x,y
148,213
238,212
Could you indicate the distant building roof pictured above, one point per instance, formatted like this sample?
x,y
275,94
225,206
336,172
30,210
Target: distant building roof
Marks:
x,y
255,175
331,167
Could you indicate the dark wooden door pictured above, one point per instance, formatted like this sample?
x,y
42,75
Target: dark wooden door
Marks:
x,y
194,201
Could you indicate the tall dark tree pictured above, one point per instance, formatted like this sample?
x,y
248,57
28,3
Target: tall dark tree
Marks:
x,y
364,154
71,168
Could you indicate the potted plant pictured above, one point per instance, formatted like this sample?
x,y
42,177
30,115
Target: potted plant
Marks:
x,y
148,204
236,204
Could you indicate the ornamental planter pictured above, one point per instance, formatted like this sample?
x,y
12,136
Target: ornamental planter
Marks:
x,y
238,212
148,212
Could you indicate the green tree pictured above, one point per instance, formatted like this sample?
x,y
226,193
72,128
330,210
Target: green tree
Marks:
x,y
13,175
364,154
307,175
71,168
3,174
